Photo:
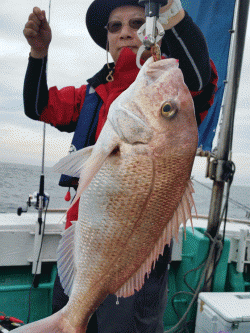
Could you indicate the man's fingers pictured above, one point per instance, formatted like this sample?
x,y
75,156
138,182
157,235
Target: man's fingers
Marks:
x,y
28,33
35,19
32,25
167,6
39,13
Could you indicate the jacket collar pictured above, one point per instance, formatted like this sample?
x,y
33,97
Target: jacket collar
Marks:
x,y
125,69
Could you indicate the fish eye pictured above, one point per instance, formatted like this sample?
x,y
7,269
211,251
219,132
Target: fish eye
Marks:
x,y
168,110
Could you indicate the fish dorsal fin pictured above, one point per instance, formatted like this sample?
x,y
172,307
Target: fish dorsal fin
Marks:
x,y
65,259
181,215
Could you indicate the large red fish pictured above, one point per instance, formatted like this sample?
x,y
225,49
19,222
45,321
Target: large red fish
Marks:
x,y
135,191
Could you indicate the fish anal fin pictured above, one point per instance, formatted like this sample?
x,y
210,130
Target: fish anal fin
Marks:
x,y
183,211
65,259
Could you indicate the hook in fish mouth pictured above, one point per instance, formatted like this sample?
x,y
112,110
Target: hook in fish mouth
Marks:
x,y
140,51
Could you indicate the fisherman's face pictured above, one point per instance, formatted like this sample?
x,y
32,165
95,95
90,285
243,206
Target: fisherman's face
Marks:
x,y
126,36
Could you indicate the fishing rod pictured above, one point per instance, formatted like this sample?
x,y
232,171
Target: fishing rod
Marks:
x,y
42,198
39,200
40,225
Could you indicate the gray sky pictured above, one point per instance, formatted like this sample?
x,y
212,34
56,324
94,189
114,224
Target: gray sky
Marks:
x,y
73,58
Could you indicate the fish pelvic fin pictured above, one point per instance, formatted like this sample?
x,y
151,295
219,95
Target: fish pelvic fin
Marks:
x,y
181,215
65,259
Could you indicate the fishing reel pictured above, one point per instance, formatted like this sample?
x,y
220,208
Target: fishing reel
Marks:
x,y
8,324
33,201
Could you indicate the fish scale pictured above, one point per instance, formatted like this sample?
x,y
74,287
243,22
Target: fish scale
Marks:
x,y
118,208
152,223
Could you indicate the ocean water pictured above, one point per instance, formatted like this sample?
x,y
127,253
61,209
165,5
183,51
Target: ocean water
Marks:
x,y
18,181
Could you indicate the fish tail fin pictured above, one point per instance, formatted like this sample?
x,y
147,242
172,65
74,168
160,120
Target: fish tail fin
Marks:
x,y
46,325
52,324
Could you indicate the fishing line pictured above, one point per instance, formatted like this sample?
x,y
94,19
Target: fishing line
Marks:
x,y
233,201
37,98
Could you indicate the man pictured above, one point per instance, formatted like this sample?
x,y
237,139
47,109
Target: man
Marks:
x,y
113,26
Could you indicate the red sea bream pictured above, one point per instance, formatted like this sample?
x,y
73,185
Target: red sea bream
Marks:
x,y
135,191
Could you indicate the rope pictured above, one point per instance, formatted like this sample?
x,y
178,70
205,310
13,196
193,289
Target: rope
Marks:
x,y
215,242
215,251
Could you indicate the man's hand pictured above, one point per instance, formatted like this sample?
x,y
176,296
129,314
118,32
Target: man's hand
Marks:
x,y
173,20
166,7
38,33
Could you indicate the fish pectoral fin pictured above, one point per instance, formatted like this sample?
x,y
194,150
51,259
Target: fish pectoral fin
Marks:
x,y
107,143
181,215
65,259
72,164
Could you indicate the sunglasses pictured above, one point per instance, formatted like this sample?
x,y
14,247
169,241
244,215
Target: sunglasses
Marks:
x,y
116,26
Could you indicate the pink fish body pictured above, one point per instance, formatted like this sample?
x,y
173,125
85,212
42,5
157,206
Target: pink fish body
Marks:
x,y
134,190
